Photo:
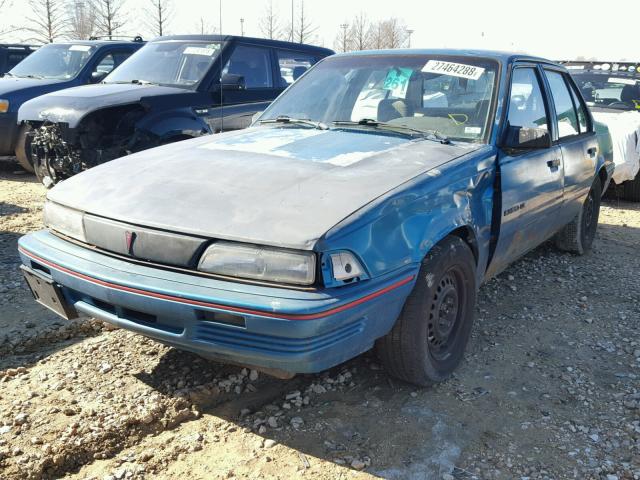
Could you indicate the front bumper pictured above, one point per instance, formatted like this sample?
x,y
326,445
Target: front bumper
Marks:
x,y
295,331
8,132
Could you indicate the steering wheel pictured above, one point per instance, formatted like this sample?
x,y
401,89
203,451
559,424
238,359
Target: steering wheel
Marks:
x,y
619,104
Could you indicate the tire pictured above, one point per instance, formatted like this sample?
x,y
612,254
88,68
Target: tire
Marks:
x,y
631,189
416,350
577,237
22,150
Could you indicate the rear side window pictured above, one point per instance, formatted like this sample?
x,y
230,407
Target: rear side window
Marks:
x,y
252,63
292,65
106,64
565,112
526,103
580,108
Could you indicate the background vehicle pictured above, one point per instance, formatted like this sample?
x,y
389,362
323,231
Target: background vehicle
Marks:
x,y
169,91
12,54
52,67
612,91
302,241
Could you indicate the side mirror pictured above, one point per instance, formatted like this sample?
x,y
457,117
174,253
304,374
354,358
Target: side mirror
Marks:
x,y
233,82
521,138
97,77
256,116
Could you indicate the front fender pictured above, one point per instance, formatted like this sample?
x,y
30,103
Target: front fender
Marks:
x,y
165,125
402,227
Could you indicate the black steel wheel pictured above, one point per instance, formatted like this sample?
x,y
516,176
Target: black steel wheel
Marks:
x,y
428,340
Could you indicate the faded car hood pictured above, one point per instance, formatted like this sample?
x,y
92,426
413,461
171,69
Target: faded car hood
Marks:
x,y
274,186
72,104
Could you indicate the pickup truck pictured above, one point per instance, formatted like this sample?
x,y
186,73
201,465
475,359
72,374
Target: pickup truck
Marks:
x,y
612,92
53,67
313,235
174,88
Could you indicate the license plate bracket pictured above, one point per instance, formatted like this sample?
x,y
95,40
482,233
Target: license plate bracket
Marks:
x,y
48,294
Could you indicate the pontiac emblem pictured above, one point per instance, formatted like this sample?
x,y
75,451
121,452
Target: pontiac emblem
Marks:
x,y
130,237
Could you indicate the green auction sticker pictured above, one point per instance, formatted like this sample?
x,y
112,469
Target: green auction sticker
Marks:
x,y
397,81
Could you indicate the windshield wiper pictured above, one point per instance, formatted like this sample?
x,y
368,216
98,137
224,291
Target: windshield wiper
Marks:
x,y
300,121
398,127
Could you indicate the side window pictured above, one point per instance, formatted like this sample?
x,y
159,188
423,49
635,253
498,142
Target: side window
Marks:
x,y
252,63
565,112
526,104
292,65
14,58
106,64
581,108
119,57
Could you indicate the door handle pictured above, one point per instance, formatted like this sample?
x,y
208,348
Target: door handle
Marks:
x,y
592,151
555,163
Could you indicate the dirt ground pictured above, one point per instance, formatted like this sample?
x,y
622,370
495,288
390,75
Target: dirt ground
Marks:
x,y
549,388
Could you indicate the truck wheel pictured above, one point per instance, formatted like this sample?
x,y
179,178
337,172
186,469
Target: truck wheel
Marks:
x,y
577,236
22,150
427,342
631,189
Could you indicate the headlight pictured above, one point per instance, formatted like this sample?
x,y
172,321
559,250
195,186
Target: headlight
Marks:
x,y
4,106
64,220
259,263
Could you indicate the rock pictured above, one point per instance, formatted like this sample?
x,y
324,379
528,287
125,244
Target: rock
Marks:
x,y
253,375
358,464
20,419
297,422
269,443
5,429
272,422
595,437
105,368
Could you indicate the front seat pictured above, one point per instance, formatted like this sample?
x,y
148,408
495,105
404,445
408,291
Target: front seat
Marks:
x,y
391,108
629,94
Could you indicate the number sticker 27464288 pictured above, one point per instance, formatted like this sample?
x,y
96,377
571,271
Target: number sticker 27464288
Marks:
x,y
454,69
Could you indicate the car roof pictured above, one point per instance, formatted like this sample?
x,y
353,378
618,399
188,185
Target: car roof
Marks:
x,y
262,41
499,56
98,43
17,45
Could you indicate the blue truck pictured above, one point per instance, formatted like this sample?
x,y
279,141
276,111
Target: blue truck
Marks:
x,y
175,88
53,67
12,54
319,233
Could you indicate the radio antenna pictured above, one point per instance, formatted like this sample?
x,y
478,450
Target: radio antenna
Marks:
x,y
221,68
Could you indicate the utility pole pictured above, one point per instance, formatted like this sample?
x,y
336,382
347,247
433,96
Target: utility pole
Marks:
x,y
292,22
220,16
242,27
409,32
344,27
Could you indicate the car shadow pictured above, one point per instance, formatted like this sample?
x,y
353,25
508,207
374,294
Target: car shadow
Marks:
x,y
11,171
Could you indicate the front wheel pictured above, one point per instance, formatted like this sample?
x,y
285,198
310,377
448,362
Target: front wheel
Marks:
x,y
22,151
577,237
428,340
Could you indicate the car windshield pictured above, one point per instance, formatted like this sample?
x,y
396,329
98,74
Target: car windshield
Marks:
x,y
174,63
54,61
615,90
448,95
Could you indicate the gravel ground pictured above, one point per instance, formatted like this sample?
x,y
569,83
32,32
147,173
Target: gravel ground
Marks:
x,y
549,388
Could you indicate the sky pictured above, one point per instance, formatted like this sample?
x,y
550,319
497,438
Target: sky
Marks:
x,y
556,29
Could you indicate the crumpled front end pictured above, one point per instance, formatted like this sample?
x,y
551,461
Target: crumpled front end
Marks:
x,y
59,152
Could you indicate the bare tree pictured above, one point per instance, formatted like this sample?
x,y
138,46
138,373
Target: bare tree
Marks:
x,y
82,20
304,31
159,15
4,4
390,33
360,33
48,20
269,25
206,28
110,16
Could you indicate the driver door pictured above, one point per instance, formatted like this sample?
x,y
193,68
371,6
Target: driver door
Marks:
x,y
532,179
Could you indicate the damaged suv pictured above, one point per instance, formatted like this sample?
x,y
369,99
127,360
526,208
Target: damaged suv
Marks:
x,y
174,88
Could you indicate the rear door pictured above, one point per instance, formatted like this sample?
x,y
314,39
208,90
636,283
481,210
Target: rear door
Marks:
x,y
531,180
576,138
